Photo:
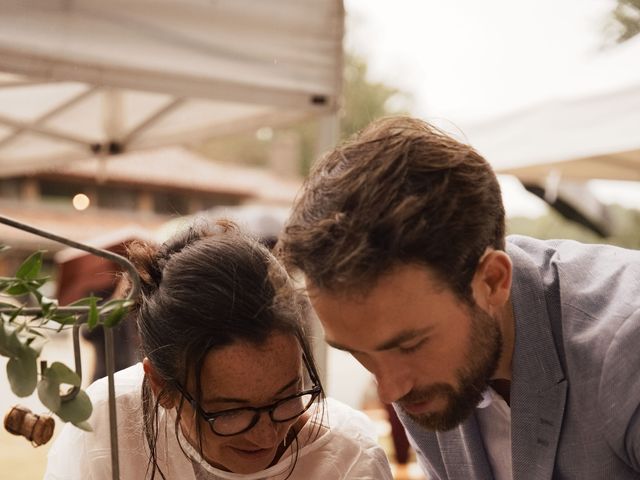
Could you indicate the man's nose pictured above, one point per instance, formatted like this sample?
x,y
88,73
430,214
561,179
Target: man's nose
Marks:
x,y
393,384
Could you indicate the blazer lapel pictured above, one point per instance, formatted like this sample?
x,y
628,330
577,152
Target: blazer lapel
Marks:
x,y
463,452
538,389
457,454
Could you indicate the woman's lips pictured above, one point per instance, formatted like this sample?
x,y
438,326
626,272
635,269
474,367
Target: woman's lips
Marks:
x,y
252,453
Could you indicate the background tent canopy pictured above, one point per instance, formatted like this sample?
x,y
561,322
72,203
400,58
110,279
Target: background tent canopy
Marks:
x,y
588,132
86,76
580,139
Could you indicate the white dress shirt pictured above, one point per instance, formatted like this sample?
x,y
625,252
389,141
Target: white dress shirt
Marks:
x,y
494,418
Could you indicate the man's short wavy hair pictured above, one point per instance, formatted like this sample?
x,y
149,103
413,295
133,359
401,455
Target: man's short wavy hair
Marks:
x,y
399,192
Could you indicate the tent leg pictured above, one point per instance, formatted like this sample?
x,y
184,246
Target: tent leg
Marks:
x,y
328,136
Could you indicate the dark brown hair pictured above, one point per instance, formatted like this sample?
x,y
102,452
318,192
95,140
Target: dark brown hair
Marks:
x,y
399,192
204,289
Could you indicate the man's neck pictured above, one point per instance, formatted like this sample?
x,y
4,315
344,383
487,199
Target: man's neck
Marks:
x,y
503,388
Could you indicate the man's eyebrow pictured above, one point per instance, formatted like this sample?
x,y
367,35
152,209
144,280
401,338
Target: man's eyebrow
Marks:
x,y
393,342
244,400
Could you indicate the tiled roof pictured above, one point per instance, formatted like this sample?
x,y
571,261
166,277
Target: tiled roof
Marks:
x,y
179,168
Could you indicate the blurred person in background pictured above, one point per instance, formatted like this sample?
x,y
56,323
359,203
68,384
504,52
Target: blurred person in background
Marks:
x,y
506,358
228,388
80,275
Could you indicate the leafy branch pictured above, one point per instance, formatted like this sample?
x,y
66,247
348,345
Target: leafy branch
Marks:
x,y
23,333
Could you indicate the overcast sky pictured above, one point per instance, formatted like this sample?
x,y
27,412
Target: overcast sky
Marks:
x,y
466,59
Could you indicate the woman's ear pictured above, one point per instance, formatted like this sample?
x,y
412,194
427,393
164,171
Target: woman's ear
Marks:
x,y
157,384
491,283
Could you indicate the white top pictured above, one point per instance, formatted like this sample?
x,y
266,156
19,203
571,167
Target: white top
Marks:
x,y
346,450
494,418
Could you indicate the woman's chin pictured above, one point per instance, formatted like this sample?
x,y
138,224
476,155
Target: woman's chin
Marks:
x,y
249,459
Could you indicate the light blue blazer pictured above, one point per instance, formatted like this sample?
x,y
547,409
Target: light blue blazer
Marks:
x,y
575,392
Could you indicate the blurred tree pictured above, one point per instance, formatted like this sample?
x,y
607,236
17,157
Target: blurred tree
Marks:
x,y
365,101
362,102
626,19
626,225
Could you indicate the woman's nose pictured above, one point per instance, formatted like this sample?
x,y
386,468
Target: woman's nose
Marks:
x,y
265,433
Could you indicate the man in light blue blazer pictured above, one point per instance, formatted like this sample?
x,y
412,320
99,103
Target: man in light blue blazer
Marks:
x,y
505,358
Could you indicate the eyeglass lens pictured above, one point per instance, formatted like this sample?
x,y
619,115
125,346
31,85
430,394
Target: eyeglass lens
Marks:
x,y
239,420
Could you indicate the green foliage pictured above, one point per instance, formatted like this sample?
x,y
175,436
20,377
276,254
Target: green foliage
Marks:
x,y
49,386
625,228
22,371
77,411
22,337
364,100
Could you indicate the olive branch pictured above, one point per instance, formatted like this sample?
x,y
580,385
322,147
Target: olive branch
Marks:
x,y
24,331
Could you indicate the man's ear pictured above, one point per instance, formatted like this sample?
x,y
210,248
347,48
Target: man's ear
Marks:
x,y
491,283
157,385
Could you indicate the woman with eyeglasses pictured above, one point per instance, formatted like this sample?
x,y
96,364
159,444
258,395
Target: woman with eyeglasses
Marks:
x,y
228,388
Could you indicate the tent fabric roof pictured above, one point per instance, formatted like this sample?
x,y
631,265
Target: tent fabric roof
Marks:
x,y
589,132
91,76
593,137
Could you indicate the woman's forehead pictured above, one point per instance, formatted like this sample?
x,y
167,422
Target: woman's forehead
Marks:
x,y
246,370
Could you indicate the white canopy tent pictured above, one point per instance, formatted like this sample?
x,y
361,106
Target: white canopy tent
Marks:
x,y
590,131
86,77
580,139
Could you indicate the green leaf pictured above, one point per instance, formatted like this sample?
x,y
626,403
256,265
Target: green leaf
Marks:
x,y
36,283
4,342
30,268
13,344
77,410
114,317
23,374
10,344
34,344
48,304
49,394
15,314
33,331
84,302
63,318
60,373
115,303
92,319
18,288
86,426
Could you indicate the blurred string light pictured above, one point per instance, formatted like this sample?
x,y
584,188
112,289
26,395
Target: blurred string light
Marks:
x,y
264,134
81,201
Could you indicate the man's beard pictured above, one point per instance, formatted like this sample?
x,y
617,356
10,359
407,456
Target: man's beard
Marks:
x,y
473,379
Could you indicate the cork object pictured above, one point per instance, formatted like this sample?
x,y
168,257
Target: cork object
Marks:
x,y
38,429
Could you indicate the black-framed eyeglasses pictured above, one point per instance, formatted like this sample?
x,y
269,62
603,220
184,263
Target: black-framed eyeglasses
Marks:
x,y
235,421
